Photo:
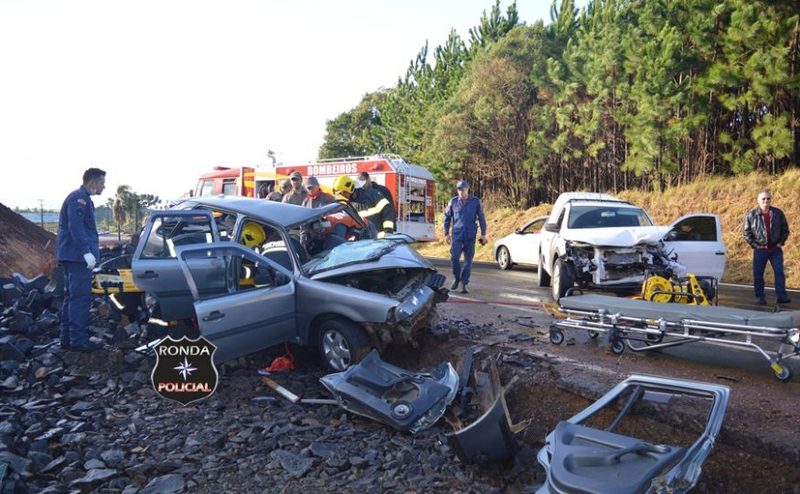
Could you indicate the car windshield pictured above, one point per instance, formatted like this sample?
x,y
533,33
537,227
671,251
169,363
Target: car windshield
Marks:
x,y
607,216
352,253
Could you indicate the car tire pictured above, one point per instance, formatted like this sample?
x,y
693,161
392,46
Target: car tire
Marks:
x,y
542,277
503,258
563,279
342,343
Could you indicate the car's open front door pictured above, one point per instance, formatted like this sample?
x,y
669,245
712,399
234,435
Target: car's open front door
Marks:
x,y
697,239
244,302
155,265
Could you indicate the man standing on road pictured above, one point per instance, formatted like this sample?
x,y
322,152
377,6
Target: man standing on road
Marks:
x,y
766,230
297,194
77,250
463,211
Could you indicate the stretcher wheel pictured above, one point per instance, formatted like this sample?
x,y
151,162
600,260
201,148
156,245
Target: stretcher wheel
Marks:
x,y
617,347
556,337
593,334
784,375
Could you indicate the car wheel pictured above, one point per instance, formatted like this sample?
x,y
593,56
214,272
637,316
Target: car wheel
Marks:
x,y
504,258
542,278
342,343
563,279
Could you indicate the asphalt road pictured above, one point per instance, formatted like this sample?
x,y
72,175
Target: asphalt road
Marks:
x,y
517,288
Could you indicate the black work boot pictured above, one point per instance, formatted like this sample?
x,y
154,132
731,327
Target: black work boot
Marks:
x,y
464,288
455,283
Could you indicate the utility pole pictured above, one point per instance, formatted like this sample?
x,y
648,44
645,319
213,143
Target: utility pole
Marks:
x,y
41,213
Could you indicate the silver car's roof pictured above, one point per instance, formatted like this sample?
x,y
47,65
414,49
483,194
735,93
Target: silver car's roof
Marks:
x,y
275,212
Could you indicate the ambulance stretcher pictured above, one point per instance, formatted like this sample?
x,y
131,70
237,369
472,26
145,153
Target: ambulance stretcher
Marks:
x,y
643,326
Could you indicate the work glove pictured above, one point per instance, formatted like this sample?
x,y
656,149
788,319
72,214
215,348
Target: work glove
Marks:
x,y
90,260
482,240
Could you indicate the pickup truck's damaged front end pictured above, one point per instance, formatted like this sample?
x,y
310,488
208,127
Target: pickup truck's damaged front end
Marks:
x,y
608,266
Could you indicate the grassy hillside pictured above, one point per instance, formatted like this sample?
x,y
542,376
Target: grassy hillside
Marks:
x,y
730,198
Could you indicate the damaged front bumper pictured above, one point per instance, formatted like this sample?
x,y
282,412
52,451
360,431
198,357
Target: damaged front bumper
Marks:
x,y
407,319
405,400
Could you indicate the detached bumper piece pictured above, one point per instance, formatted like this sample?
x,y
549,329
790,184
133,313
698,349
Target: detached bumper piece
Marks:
x,y
591,460
491,437
406,400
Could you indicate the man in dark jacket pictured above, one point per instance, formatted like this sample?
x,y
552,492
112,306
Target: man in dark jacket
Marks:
x,y
316,196
77,250
368,183
766,230
464,212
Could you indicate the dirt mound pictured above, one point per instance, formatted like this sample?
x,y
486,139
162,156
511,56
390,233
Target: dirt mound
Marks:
x,y
24,247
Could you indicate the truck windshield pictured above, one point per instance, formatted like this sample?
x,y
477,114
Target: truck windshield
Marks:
x,y
607,216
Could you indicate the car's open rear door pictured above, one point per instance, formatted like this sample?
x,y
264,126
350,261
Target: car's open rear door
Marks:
x,y
155,265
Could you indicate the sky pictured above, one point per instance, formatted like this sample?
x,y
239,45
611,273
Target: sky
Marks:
x,y
158,92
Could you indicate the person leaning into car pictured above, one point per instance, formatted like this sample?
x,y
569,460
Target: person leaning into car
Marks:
x,y
767,243
77,250
463,211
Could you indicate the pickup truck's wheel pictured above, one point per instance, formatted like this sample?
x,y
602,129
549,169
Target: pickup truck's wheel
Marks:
x,y
542,278
342,343
504,258
563,278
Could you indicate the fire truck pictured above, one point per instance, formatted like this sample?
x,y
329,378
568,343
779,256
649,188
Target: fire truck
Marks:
x,y
412,186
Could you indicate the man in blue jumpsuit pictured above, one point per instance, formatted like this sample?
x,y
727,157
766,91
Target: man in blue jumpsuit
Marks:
x,y
77,250
463,211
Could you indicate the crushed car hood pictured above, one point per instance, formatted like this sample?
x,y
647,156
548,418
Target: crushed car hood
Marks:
x,y
366,255
625,236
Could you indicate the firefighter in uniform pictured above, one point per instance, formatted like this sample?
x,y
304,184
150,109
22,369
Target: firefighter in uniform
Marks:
x,y
367,183
77,250
370,205
463,211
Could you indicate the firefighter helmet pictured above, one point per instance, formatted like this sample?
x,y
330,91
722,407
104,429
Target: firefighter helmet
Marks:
x,y
344,184
253,235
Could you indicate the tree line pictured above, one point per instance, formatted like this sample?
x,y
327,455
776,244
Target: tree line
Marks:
x,y
619,94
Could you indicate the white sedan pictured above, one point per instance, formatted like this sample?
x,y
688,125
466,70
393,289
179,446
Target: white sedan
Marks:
x,y
520,247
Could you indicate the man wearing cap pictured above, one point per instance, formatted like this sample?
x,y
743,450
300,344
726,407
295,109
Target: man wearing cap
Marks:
x,y
316,196
463,212
298,193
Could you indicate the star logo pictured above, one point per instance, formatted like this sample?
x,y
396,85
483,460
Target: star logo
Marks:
x,y
185,369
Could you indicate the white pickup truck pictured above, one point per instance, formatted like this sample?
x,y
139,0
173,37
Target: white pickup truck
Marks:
x,y
599,241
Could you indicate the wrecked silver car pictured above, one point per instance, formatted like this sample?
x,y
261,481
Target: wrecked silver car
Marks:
x,y
252,273
405,400
610,446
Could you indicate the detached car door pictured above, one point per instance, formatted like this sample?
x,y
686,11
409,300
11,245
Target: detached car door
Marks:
x,y
155,265
244,302
697,239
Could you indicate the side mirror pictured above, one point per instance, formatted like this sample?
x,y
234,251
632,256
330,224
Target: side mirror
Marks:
x,y
518,230
671,235
551,227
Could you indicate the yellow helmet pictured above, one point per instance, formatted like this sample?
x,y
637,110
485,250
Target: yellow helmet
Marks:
x,y
344,184
253,235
